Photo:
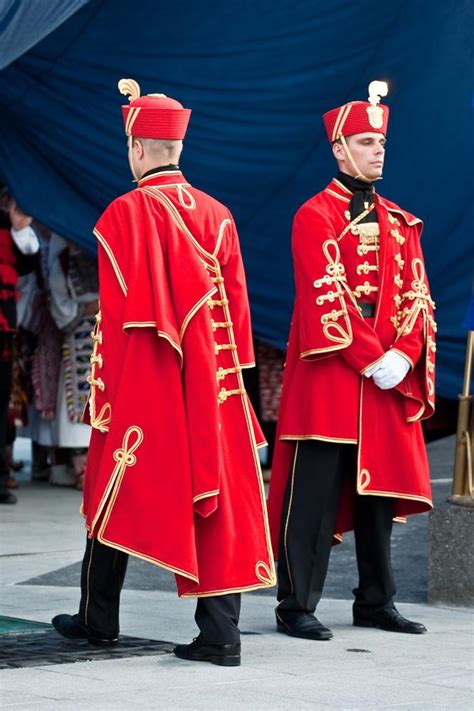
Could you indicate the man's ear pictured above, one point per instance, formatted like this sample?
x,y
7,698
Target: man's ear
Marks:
x,y
137,148
338,151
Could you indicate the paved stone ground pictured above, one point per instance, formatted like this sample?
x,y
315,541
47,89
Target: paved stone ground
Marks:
x,y
42,540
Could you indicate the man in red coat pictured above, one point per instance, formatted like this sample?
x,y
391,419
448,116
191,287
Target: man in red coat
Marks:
x,y
359,378
173,474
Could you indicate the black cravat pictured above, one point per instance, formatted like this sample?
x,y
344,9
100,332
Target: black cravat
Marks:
x,y
363,196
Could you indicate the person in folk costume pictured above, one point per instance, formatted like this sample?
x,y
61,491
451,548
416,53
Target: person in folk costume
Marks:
x,y
359,377
173,474
18,255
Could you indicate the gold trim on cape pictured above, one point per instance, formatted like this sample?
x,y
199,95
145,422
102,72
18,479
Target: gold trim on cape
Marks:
x,y
113,261
211,261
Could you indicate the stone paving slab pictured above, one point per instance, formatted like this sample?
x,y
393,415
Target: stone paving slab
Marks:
x,y
431,672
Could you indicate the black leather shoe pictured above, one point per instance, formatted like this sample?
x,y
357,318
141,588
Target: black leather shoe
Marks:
x,y
303,625
225,655
6,497
71,627
390,620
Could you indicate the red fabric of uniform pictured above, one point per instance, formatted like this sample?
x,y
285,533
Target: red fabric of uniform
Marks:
x,y
173,474
325,394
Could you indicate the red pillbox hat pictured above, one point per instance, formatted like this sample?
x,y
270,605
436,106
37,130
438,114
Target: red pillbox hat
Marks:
x,y
152,115
359,116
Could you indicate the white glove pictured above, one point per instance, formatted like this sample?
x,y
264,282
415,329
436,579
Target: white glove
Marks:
x,y
373,368
393,368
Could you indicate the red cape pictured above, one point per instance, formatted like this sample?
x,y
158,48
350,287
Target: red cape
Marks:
x,y
173,473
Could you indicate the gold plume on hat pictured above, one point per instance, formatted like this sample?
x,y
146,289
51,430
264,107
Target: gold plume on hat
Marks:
x,y
130,88
377,89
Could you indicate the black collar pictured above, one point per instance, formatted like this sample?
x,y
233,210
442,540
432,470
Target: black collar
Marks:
x,y
160,169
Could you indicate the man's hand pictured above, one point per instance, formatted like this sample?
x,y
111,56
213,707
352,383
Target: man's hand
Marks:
x,y
17,217
392,370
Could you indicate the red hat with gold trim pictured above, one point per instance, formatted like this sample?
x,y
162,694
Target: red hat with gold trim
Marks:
x,y
359,116
153,115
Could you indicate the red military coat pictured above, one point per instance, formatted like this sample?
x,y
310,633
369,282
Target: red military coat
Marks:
x,y
173,474
325,395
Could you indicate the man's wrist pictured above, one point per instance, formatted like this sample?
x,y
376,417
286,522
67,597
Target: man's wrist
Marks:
x,y
370,369
404,355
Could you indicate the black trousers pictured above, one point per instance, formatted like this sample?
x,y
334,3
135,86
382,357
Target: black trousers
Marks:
x,y
102,578
6,371
308,519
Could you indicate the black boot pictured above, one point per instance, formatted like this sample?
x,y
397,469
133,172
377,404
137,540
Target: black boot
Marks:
x,y
390,620
6,497
224,655
303,625
71,627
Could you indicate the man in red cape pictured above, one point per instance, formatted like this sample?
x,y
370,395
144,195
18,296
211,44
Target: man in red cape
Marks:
x,y
359,378
173,474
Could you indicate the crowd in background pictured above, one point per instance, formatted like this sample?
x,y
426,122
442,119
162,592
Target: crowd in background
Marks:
x,y
48,299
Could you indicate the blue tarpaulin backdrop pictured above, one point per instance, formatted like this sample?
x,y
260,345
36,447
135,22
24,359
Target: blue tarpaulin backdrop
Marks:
x,y
258,75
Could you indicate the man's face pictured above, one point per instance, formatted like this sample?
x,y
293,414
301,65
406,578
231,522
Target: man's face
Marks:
x,y
368,152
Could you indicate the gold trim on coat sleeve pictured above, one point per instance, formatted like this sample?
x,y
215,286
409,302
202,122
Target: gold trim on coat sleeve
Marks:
x,y
404,355
316,351
419,414
161,334
323,438
207,495
367,367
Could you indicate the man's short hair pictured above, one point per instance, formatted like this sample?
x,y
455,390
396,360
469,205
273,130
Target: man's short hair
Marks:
x,y
160,147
